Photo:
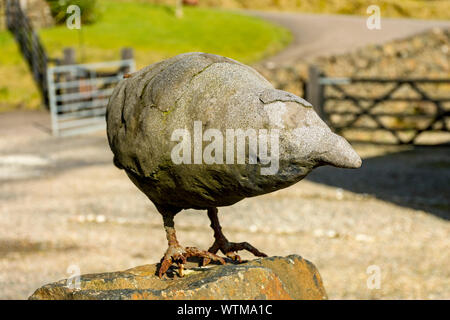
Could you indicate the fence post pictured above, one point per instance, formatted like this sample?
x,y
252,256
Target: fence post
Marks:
x,y
126,54
314,92
68,59
68,56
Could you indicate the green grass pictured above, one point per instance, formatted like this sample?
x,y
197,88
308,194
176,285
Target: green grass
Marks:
x,y
155,34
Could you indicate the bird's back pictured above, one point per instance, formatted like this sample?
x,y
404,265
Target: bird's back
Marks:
x,y
191,100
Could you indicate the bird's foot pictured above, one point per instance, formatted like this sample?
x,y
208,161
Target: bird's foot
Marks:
x,y
230,249
179,255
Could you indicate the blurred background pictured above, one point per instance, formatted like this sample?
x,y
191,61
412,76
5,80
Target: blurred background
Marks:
x,y
379,76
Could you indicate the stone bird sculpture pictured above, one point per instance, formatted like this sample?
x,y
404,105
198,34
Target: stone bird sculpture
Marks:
x,y
203,131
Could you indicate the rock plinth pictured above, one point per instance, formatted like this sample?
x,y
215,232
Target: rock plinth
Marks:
x,y
271,278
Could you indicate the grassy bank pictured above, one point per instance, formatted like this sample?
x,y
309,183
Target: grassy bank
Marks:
x,y
152,30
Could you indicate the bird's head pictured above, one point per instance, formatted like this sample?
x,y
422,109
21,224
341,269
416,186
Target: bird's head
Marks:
x,y
306,139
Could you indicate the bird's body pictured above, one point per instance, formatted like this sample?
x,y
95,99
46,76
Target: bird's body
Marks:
x,y
203,131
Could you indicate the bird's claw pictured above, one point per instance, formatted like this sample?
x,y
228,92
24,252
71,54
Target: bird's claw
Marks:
x,y
233,256
179,255
230,249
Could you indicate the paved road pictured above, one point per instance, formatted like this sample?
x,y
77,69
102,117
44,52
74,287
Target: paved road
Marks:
x,y
321,35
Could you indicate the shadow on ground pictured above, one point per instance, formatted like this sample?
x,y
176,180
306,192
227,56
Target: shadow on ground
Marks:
x,y
418,178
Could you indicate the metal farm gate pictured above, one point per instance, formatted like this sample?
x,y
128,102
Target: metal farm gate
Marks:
x,y
383,110
79,93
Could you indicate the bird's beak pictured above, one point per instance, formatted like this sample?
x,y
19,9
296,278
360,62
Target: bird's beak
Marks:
x,y
339,152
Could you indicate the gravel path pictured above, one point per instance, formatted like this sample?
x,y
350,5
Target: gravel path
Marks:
x,y
323,35
62,203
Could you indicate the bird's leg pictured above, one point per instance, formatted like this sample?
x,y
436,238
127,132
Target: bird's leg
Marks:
x,y
221,243
176,253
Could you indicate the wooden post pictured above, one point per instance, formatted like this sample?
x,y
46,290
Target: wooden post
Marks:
x,y
68,56
127,53
304,87
179,9
315,90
